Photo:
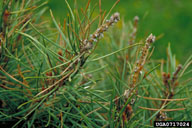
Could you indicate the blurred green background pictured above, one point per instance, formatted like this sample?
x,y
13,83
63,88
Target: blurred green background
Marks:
x,y
172,18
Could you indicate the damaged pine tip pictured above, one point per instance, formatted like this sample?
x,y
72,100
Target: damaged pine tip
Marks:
x,y
87,44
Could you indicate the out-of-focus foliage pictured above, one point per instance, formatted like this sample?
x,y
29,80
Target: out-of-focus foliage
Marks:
x,y
170,18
